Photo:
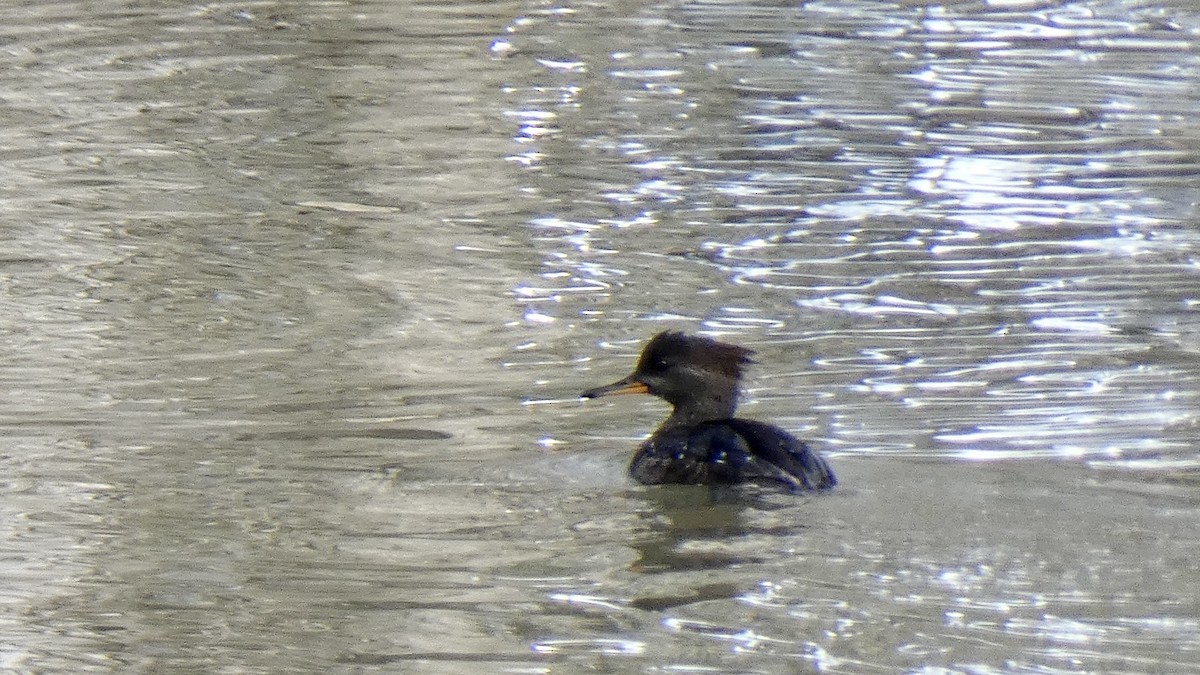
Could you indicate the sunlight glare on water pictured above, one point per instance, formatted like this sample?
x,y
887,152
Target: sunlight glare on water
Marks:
x,y
299,299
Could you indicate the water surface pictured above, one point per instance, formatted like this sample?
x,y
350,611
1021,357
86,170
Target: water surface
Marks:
x,y
298,300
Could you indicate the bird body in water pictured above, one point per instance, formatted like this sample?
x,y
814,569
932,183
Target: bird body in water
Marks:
x,y
701,442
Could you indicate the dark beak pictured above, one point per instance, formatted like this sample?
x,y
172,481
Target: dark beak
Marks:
x,y
628,385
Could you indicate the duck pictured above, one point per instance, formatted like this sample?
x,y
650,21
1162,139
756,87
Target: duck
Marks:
x,y
701,442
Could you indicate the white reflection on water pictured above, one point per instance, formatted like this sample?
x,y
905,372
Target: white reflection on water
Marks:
x,y
978,248
272,301
596,646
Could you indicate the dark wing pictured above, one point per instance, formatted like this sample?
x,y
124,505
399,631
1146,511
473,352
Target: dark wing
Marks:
x,y
785,452
730,451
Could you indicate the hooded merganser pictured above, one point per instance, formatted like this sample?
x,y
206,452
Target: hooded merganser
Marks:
x,y
702,442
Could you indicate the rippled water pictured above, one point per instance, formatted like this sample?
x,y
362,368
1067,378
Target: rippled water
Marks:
x,y
298,299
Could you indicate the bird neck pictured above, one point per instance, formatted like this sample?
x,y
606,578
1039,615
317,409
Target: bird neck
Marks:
x,y
703,406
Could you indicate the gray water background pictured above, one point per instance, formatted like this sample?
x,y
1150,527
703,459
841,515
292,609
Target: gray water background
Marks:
x,y
297,298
